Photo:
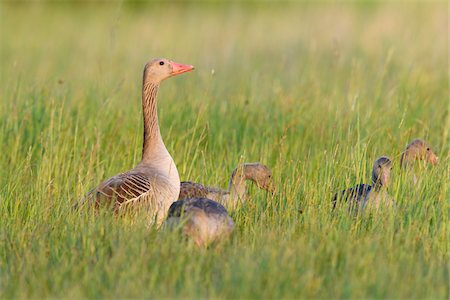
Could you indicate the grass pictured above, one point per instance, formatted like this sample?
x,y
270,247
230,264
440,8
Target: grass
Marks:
x,y
315,91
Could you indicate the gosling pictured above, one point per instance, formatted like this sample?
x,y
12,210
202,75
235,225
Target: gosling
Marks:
x,y
258,173
363,196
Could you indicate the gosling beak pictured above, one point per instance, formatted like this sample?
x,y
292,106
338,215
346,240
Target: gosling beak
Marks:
x,y
180,68
270,188
434,160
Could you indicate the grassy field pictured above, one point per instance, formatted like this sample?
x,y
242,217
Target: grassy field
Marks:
x,y
315,91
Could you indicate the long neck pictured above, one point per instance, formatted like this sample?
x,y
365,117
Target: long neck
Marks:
x,y
236,187
376,182
377,186
152,135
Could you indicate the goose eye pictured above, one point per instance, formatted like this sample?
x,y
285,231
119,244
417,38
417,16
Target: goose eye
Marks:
x,y
161,63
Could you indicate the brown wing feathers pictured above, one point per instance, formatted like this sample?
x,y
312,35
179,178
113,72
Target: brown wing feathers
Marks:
x,y
123,188
189,189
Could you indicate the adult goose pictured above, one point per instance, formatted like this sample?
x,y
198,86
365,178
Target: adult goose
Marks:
x,y
364,196
154,184
200,219
258,173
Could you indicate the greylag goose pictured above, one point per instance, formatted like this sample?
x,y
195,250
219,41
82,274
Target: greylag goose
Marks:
x,y
418,149
203,220
256,172
154,184
363,196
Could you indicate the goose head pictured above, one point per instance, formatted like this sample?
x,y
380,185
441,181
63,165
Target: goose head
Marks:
x,y
418,149
380,171
260,174
159,69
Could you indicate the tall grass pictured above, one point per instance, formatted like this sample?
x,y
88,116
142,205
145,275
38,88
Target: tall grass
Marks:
x,y
315,91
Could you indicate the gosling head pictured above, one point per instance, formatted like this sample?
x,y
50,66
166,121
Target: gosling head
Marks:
x,y
418,149
260,174
159,69
380,171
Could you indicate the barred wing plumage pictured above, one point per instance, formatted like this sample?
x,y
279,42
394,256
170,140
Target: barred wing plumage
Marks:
x,y
189,189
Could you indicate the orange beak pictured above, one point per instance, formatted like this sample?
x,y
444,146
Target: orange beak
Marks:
x,y
180,68
434,159
269,186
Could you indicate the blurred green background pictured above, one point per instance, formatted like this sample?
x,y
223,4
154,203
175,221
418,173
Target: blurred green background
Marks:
x,y
316,91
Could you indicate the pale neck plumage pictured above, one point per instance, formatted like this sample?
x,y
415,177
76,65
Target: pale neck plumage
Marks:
x,y
152,135
377,184
154,152
236,186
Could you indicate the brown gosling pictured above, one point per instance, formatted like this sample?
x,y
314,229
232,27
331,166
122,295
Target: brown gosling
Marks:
x,y
258,173
154,184
364,196
202,220
418,149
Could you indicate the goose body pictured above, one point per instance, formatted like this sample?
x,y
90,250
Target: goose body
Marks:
x,y
144,187
190,189
203,220
260,174
154,184
365,196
